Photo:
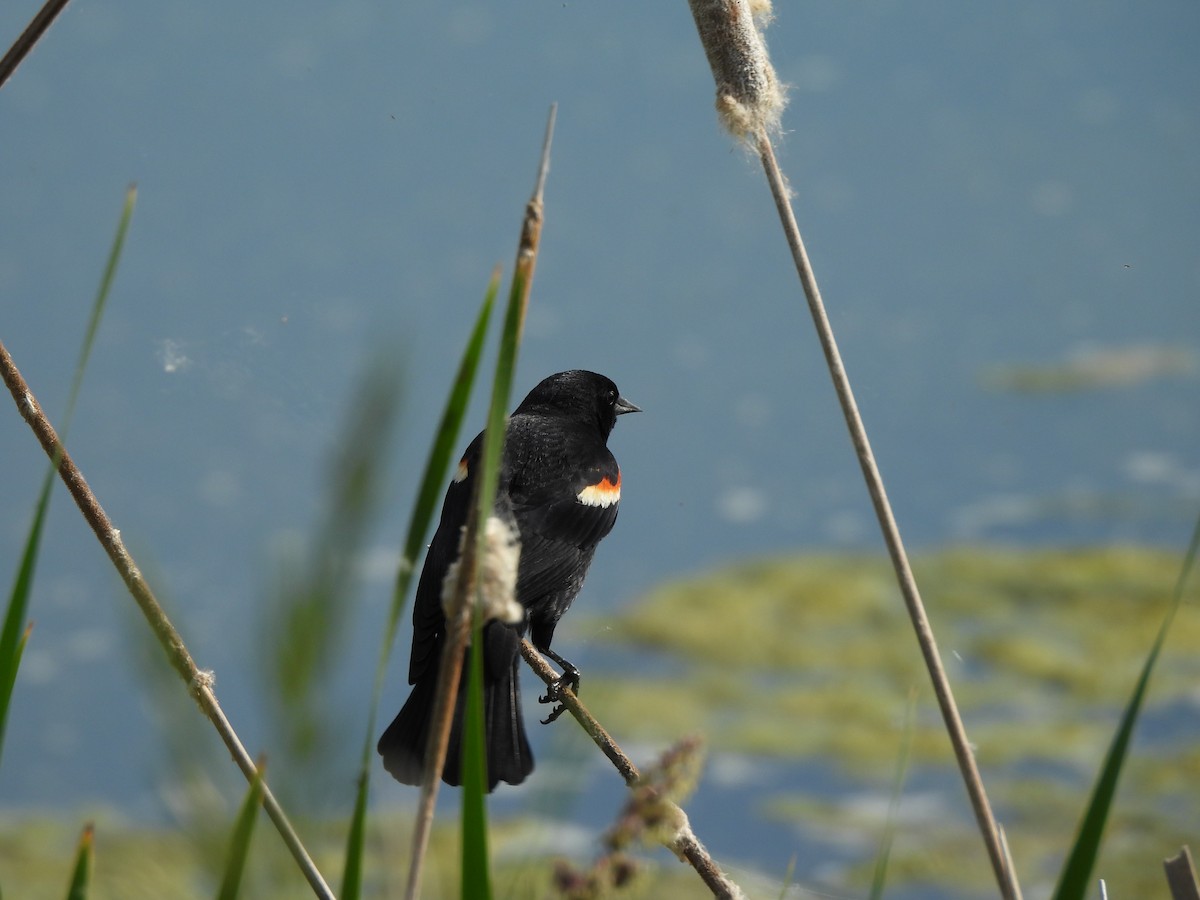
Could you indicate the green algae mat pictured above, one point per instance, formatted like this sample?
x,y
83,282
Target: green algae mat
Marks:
x,y
806,664
813,658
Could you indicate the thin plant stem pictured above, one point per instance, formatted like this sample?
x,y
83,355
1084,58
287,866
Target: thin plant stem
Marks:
x,y
29,37
749,105
531,226
1005,875
1181,876
683,843
423,510
199,682
459,624
449,674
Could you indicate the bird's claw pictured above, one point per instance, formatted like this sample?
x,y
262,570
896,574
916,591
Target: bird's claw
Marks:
x,y
569,679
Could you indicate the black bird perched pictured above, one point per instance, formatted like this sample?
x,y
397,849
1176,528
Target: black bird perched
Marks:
x,y
561,486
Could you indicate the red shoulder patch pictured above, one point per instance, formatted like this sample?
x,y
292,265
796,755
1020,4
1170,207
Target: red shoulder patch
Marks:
x,y
603,494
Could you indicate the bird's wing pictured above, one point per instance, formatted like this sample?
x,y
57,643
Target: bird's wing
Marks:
x,y
561,524
580,509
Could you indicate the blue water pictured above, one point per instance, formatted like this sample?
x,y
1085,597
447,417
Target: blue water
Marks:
x,y
977,189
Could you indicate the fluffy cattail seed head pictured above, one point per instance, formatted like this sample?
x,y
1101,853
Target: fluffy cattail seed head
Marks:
x,y
497,574
750,99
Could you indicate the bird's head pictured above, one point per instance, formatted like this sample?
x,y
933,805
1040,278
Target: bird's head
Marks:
x,y
579,393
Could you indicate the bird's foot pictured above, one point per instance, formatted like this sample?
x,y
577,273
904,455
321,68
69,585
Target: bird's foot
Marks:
x,y
569,679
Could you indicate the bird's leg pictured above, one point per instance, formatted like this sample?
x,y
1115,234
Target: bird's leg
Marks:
x,y
568,679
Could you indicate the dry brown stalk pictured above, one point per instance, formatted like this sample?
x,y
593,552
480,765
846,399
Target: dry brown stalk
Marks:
x,y
682,841
459,624
1181,876
33,32
742,62
199,681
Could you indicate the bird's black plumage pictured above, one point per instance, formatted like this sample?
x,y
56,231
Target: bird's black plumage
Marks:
x,y
561,486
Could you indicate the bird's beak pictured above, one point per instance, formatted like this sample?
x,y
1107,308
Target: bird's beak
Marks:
x,y
623,406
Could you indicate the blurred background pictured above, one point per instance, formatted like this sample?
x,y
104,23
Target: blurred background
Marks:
x,y
1002,205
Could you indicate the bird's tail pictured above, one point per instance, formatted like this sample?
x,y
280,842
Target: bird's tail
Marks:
x,y
402,745
509,758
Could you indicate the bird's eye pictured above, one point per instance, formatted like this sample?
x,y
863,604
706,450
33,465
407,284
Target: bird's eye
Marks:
x,y
611,396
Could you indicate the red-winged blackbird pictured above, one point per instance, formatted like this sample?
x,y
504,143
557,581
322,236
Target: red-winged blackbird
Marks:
x,y
561,486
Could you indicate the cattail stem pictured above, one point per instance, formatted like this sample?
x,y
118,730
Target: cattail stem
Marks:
x,y
199,682
749,103
965,757
445,697
29,37
459,623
